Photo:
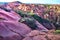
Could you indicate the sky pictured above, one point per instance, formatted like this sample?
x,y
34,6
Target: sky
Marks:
x,y
35,1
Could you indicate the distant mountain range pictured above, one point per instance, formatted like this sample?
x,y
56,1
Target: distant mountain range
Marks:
x,y
3,2
9,2
24,3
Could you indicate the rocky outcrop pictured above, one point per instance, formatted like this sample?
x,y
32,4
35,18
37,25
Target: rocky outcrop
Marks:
x,y
10,30
38,35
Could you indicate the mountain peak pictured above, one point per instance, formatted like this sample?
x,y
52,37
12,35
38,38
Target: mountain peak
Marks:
x,y
16,2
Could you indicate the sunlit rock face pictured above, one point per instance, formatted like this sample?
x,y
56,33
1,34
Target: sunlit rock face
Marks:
x,y
14,4
9,15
